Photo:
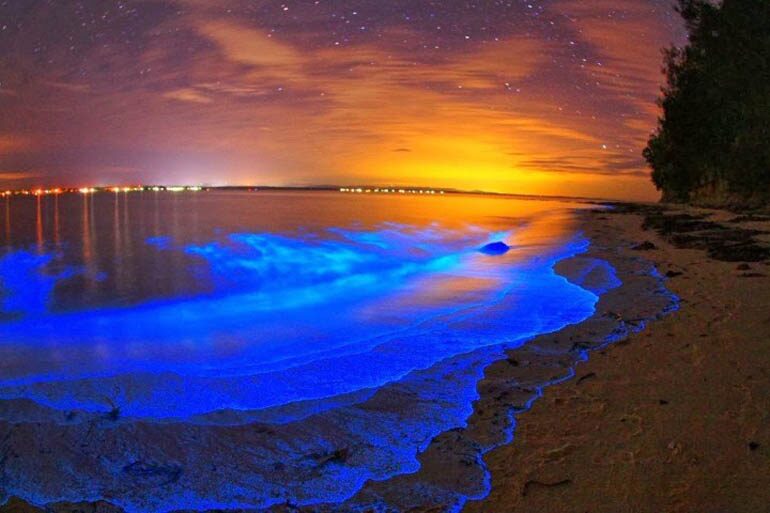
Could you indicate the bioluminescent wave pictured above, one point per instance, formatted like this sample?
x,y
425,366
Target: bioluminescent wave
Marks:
x,y
271,350
285,317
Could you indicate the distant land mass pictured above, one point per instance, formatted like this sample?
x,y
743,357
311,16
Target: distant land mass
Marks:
x,y
350,189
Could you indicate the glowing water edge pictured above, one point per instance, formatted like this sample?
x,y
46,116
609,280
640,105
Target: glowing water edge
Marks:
x,y
225,350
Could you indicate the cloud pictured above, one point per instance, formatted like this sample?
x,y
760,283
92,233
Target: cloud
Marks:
x,y
15,176
13,143
550,129
187,95
255,49
69,86
273,100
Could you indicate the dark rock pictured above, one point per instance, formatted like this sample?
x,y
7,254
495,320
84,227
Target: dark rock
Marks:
x,y
744,267
113,414
336,456
723,243
753,446
495,248
737,253
749,218
677,223
673,274
580,346
645,246
165,474
534,483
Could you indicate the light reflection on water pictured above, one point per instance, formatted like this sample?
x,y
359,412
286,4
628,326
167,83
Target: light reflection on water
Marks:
x,y
227,284
106,234
183,305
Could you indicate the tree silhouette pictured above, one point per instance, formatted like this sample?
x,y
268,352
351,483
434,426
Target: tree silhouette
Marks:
x,y
712,143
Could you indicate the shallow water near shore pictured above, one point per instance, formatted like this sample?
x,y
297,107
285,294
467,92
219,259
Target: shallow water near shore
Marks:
x,y
223,350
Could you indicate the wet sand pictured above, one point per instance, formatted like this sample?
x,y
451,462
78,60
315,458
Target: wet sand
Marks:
x,y
674,419
667,419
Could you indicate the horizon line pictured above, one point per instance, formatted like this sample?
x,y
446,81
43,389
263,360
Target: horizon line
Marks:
x,y
358,188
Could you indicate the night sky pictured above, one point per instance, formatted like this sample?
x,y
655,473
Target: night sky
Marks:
x,y
544,97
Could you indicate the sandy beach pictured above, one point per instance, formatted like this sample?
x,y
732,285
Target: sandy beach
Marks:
x,y
672,416
673,419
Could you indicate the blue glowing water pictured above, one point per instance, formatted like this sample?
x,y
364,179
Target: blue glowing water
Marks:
x,y
285,320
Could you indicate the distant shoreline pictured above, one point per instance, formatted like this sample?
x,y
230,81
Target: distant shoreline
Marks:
x,y
361,188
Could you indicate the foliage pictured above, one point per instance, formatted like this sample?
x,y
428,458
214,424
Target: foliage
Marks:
x,y
713,139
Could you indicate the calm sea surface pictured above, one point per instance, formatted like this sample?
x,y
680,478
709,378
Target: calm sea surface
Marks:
x,y
277,307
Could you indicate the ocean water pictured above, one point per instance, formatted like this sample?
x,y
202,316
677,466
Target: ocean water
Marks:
x,y
361,322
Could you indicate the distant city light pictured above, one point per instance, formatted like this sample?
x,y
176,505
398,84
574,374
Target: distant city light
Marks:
x,y
196,188
359,190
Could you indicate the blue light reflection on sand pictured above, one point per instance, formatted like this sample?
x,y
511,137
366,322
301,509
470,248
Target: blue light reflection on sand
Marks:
x,y
299,319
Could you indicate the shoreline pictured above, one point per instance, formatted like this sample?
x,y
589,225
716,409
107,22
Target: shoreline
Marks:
x,y
674,418
453,461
